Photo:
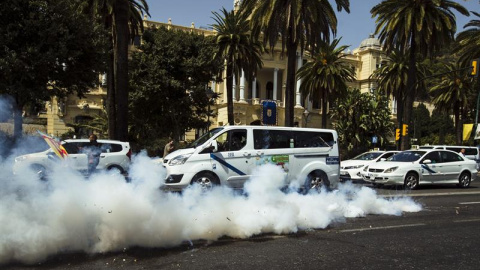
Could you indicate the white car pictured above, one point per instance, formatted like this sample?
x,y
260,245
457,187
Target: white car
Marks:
x,y
351,169
415,167
115,155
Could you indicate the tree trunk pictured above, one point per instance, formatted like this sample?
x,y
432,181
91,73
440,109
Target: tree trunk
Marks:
x,y
111,108
458,124
121,68
324,109
17,121
410,95
290,83
231,120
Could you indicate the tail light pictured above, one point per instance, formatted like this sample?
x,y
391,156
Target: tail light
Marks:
x,y
129,154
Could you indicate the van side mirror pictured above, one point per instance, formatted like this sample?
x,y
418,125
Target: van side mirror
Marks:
x,y
214,146
211,147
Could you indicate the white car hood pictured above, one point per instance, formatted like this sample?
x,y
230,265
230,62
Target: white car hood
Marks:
x,y
389,164
179,152
353,162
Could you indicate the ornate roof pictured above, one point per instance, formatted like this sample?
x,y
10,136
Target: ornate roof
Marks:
x,y
370,42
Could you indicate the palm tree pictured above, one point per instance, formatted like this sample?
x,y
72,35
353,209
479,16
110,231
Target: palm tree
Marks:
x,y
453,93
468,41
297,24
417,28
123,18
238,48
326,76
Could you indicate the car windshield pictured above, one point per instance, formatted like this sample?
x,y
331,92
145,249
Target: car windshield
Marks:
x,y
407,156
204,137
368,156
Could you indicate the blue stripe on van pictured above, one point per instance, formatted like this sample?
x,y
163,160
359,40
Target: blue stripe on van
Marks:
x,y
226,164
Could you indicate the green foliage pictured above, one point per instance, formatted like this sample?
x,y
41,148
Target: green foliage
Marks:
x,y
47,49
325,78
359,117
168,79
238,48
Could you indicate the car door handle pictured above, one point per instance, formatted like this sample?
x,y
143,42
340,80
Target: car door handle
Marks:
x,y
259,153
246,154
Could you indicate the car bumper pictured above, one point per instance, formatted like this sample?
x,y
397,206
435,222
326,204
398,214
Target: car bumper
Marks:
x,y
383,178
346,175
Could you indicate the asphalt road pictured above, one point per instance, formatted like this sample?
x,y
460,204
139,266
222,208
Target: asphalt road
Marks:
x,y
445,235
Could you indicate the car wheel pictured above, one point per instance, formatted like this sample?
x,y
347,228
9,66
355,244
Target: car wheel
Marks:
x,y
40,171
411,181
206,180
316,180
464,180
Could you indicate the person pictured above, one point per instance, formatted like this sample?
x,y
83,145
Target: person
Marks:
x,y
169,147
93,151
462,152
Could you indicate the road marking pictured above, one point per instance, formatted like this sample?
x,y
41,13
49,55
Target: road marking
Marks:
x,y
469,203
428,194
384,228
467,220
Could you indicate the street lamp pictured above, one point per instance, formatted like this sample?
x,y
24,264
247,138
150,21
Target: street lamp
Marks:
x,y
306,113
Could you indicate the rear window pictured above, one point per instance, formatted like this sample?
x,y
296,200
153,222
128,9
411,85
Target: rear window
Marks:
x,y
110,147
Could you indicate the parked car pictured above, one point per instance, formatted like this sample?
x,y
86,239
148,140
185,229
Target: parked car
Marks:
x,y
351,169
115,155
424,166
471,152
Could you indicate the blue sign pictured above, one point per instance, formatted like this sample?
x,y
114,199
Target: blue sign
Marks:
x,y
374,139
269,113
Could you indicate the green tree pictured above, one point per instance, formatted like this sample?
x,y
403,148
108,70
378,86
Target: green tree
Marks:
x,y
48,49
325,78
168,77
415,28
421,127
238,48
358,118
441,129
123,18
452,93
468,41
297,24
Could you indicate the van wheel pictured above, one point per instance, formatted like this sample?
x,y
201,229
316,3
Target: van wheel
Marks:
x,y
115,168
316,180
206,180
40,171
464,180
411,181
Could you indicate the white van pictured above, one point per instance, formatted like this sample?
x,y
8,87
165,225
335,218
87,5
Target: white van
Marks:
x,y
227,156
471,152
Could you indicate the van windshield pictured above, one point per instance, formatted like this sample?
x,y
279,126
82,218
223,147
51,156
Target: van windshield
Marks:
x,y
204,137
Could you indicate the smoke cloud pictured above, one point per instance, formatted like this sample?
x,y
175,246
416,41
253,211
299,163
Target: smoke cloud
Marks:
x,y
106,213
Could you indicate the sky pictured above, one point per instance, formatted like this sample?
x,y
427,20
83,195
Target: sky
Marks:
x,y
353,27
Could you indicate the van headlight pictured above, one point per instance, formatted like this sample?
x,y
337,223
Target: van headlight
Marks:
x,y
20,158
179,160
390,170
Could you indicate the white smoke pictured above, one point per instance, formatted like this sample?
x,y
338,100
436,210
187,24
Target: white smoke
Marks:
x,y
105,213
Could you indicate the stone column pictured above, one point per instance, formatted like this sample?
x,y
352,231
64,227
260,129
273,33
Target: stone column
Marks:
x,y
275,83
299,82
242,88
234,88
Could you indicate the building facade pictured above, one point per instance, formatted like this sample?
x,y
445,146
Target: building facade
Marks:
x,y
269,85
